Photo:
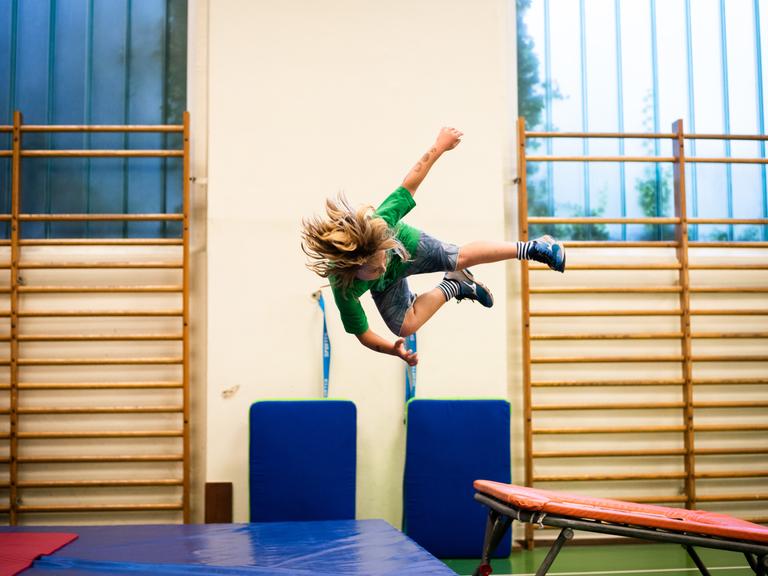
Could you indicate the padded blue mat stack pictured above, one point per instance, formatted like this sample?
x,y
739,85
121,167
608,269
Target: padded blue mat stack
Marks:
x,y
449,445
328,548
302,460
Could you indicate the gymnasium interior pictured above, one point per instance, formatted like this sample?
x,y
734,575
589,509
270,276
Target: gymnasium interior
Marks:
x,y
178,394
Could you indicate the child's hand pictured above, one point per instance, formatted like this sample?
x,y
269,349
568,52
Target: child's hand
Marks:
x,y
448,139
411,358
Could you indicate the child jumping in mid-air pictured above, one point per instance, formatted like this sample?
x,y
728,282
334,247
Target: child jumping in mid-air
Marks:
x,y
361,249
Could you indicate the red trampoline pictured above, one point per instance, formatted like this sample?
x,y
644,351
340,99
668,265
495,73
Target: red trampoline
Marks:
x,y
507,502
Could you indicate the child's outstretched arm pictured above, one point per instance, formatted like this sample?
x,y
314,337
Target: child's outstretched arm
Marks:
x,y
371,340
447,139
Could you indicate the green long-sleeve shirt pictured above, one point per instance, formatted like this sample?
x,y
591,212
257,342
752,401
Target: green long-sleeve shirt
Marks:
x,y
392,211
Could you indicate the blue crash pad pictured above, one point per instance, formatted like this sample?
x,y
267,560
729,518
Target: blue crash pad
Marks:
x,y
449,445
324,548
302,460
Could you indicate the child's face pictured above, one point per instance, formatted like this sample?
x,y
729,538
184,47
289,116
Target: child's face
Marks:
x,y
374,267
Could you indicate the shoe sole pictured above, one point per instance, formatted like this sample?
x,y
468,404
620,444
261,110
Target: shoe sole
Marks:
x,y
561,249
471,278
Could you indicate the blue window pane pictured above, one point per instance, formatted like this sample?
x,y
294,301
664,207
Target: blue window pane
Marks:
x,y
672,62
565,40
636,60
639,65
87,62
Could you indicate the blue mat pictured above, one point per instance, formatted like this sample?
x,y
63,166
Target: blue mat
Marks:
x,y
302,460
449,445
329,548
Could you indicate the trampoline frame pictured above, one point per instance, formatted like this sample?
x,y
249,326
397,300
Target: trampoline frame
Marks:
x,y
501,516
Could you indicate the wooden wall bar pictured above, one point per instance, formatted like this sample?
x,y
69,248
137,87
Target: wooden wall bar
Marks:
x,y
97,409
645,370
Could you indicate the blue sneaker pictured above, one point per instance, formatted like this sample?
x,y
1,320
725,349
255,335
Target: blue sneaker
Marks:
x,y
469,288
549,251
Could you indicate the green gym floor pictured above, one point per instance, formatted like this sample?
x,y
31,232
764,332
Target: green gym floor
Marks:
x,y
619,559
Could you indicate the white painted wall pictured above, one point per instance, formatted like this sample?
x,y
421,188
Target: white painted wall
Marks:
x,y
306,99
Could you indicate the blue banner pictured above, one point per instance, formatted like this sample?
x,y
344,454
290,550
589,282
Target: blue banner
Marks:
x,y
326,348
410,371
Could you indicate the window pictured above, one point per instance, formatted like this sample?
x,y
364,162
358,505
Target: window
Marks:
x,y
92,62
637,66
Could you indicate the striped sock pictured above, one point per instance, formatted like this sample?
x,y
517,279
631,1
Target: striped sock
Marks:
x,y
450,288
522,250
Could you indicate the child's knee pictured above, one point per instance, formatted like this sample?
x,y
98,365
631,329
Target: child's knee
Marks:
x,y
406,330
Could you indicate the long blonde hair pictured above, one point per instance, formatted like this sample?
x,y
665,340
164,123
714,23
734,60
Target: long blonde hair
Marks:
x,y
345,239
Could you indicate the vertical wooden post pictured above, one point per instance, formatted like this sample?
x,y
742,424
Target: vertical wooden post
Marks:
x,y
685,316
525,295
13,495
185,320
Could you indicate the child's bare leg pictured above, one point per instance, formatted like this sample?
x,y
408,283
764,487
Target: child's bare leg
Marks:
x,y
544,249
422,309
485,252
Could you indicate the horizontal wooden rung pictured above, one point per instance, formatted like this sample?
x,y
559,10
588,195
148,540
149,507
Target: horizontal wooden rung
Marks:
x,y
605,406
655,429
99,361
731,427
101,434
728,289
575,244
756,137
610,430
96,313
652,159
605,359
603,220
102,153
731,497
731,312
730,358
609,336
608,453
601,313
731,266
697,220
102,128
98,385
26,508
98,265
729,451
654,499
746,404
101,242
96,337
726,160
588,383
726,335
606,289
617,266
621,135
100,483
726,244
628,312
98,217
608,477
101,410
729,381
733,474
136,458
98,289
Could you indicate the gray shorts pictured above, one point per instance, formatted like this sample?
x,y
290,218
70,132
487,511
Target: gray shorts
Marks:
x,y
394,301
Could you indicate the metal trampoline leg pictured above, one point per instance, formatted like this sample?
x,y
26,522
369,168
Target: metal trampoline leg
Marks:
x,y
759,564
565,535
495,528
696,560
